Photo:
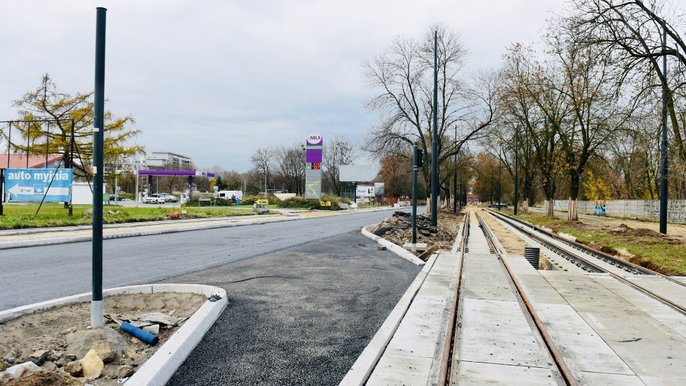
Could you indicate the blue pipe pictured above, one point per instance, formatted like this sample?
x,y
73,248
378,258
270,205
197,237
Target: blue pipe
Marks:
x,y
139,333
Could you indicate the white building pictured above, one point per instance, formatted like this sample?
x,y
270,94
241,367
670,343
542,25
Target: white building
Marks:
x,y
160,160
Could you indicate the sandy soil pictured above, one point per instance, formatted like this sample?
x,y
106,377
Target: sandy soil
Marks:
x,y
513,244
398,230
54,338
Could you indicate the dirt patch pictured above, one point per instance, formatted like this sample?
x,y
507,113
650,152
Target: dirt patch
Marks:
x,y
398,229
57,340
512,243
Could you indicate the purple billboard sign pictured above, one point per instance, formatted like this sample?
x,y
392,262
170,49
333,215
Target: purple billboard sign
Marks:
x,y
313,148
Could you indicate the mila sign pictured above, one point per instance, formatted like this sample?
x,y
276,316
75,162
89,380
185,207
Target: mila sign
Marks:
x,y
50,185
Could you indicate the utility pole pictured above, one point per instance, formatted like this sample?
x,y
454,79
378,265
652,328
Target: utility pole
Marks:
x,y
455,177
417,157
516,172
500,177
434,141
663,142
97,304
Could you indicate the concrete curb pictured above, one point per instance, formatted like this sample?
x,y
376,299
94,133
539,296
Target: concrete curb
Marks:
x,y
398,250
161,366
366,362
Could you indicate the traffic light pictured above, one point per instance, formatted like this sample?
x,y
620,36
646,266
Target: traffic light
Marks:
x,y
418,157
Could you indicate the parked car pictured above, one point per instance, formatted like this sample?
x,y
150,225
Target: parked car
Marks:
x,y
168,197
153,199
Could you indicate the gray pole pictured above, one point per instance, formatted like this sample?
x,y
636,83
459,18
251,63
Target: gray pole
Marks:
x,y
663,142
434,142
71,163
455,177
516,172
9,143
500,178
97,306
414,194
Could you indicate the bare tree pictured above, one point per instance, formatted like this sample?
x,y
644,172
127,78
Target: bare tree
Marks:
x,y
631,32
338,151
404,76
263,162
290,162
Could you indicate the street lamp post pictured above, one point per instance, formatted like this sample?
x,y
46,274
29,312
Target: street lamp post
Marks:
x,y
455,176
663,141
500,177
516,171
434,141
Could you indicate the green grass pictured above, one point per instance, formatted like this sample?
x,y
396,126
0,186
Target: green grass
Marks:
x,y
651,250
54,214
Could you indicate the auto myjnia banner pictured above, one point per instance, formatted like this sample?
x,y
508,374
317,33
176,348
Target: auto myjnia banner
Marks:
x,y
34,184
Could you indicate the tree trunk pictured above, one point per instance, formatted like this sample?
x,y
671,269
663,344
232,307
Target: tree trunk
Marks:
x,y
572,211
550,207
525,206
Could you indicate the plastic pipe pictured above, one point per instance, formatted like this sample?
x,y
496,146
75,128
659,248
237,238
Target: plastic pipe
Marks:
x,y
139,333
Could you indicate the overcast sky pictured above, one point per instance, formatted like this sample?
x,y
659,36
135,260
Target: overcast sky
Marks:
x,y
215,80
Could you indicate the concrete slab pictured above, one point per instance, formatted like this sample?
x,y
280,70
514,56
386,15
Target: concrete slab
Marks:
x,y
641,341
474,373
656,309
413,354
611,379
496,342
582,348
669,290
495,331
485,278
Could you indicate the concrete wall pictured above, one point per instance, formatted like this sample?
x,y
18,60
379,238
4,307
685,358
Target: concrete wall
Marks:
x,y
81,193
643,209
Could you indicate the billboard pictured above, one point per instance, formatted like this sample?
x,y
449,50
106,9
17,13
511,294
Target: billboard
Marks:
x,y
35,184
313,166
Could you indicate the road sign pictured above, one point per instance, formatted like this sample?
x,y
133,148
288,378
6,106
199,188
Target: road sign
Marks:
x,y
33,184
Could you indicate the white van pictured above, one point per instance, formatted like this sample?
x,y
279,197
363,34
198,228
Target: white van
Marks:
x,y
228,194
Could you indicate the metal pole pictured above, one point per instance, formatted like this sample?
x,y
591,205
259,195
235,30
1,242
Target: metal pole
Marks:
x,y
663,141
9,144
500,178
71,164
97,306
455,177
2,190
28,143
516,173
47,145
414,194
434,141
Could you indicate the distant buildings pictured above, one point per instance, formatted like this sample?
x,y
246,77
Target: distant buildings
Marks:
x,y
157,160
162,160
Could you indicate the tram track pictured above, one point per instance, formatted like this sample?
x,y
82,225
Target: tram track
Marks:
x,y
558,365
574,252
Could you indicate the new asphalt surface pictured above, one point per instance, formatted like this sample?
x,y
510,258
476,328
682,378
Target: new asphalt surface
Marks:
x,y
297,316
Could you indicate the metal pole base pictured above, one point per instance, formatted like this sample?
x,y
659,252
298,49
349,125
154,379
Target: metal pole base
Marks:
x,y
97,313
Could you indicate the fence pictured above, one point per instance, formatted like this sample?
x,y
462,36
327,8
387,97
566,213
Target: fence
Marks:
x,y
641,209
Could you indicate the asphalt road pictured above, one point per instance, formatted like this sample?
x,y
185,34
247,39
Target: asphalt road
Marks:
x,y
33,274
297,316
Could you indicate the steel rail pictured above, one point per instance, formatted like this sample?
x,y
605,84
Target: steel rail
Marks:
x,y
565,371
448,344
